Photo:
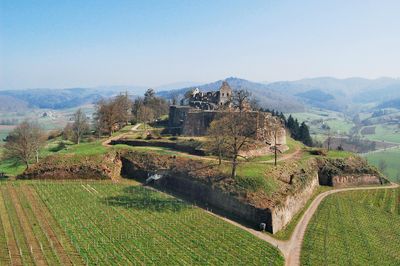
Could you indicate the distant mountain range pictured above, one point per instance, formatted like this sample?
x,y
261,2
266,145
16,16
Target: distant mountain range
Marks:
x,y
265,96
288,96
65,98
325,92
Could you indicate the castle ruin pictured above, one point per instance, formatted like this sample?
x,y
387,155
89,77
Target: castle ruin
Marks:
x,y
198,109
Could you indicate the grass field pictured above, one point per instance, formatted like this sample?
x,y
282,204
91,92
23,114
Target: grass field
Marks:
x,y
391,158
100,223
315,118
355,228
13,168
384,132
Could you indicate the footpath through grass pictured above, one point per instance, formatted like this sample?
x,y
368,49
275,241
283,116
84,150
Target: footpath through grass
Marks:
x,y
355,228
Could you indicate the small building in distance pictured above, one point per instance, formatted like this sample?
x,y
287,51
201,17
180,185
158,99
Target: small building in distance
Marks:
x,y
198,109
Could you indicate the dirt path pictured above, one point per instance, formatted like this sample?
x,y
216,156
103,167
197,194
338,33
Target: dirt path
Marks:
x,y
294,155
43,218
284,157
31,240
291,249
107,142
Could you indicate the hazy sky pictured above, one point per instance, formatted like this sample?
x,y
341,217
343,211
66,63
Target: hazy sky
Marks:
x,y
58,43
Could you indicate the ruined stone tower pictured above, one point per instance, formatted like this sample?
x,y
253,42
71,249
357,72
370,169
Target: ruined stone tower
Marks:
x,y
225,94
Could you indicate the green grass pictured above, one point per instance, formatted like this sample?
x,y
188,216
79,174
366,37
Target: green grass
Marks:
x,y
252,176
384,132
123,224
392,159
335,120
339,154
3,135
340,125
292,144
12,167
354,228
86,149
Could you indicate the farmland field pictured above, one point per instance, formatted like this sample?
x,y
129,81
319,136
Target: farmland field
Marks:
x,y
105,223
385,132
355,228
391,158
315,118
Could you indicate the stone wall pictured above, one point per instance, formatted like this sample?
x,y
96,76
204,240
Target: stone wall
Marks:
x,y
63,167
281,216
197,123
216,199
194,122
355,180
185,182
352,171
177,115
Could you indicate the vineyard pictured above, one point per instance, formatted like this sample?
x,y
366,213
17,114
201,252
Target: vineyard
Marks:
x,y
100,223
355,228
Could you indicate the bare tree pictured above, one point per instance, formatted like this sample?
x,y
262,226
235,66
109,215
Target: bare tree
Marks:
x,y
67,133
241,99
275,132
38,139
217,139
145,115
80,126
238,130
25,142
329,140
124,107
109,116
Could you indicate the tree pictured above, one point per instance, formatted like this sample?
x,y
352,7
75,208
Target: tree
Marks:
x,y
112,114
68,132
237,130
145,115
24,142
254,104
275,131
38,139
106,117
124,107
240,99
217,143
149,96
158,106
304,134
329,140
80,126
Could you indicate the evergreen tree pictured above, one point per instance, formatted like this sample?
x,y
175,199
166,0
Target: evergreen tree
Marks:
x,y
304,134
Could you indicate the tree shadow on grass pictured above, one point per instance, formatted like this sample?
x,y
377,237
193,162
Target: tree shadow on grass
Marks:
x,y
140,198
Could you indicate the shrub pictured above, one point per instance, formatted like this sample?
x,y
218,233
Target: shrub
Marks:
x,y
54,134
319,152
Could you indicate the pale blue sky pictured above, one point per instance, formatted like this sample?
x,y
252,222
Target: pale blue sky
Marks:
x,y
89,43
